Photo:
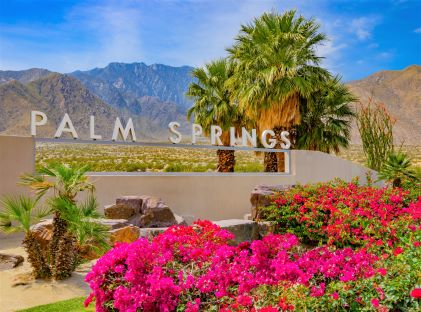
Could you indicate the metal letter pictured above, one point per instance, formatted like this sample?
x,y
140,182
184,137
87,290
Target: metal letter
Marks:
x,y
247,137
272,140
287,142
66,125
92,134
35,123
216,132
196,130
172,126
118,129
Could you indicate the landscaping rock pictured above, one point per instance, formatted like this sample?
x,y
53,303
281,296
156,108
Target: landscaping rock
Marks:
x,y
127,234
180,220
112,224
43,232
156,214
135,202
119,211
266,227
8,262
262,196
244,230
150,233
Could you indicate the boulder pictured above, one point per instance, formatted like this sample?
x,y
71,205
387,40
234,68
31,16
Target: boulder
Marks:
x,y
180,220
244,230
266,227
127,234
135,202
119,211
8,261
112,224
262,196
43,232
150,233
156,214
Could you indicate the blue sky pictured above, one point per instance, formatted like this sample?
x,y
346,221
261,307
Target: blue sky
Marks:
x,y
60,35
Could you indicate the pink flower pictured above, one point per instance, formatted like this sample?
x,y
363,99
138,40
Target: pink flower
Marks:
x,y
335,295
416,293
398,251
382,271
375,302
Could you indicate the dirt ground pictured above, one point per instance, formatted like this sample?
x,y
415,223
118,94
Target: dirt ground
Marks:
x,y
18,290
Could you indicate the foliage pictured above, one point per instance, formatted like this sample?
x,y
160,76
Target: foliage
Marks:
x,y
397,168
17,215
376,130
213,105
75,231
326,118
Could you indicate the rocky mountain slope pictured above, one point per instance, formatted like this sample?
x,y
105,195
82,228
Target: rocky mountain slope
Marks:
x,y
23,76
400,92
126,85
55,95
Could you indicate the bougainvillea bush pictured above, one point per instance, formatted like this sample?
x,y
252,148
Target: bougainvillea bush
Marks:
x,y
196,268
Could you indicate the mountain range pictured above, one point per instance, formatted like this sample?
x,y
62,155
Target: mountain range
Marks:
x,y
154,95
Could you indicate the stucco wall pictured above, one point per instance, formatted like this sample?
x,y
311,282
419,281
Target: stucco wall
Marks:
x,y
202,195
17,156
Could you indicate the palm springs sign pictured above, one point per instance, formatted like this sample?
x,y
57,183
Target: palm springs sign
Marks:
x,y
267,138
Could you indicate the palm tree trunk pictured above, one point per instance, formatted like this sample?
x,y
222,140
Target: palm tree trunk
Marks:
x,y
36,256
226,160
275,162
65,257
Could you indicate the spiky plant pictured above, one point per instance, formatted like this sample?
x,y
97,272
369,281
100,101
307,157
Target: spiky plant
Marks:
x,y
214,105
17,215
326,118
276,67
397,168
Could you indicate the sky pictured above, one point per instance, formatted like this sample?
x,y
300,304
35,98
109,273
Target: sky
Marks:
x,y
63,35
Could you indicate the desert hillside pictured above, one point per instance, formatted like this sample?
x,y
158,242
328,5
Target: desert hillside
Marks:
x,y
400,92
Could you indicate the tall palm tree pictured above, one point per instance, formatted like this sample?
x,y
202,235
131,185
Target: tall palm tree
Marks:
x,y
214,105
65,182
276,67
326,118
17,215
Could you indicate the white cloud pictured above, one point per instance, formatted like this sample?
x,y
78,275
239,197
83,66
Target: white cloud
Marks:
x,y
417,30
363,26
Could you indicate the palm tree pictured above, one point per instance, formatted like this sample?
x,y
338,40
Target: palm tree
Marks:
x,y
397,168
276,67
65,182
326,118
17,215
213,105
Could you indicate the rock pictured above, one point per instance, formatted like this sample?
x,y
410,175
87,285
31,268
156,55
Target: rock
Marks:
x,y
119,211
262,196
156,213
244,230
127,234
266,227
247,216
8,262
112,224
135,202
150,233
180,220
43,232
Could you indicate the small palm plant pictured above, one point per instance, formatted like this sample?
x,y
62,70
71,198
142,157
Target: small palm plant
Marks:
x,y
65,182
397,168
17,215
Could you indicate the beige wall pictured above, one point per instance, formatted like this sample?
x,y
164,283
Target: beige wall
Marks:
x,y
202,195
17,156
